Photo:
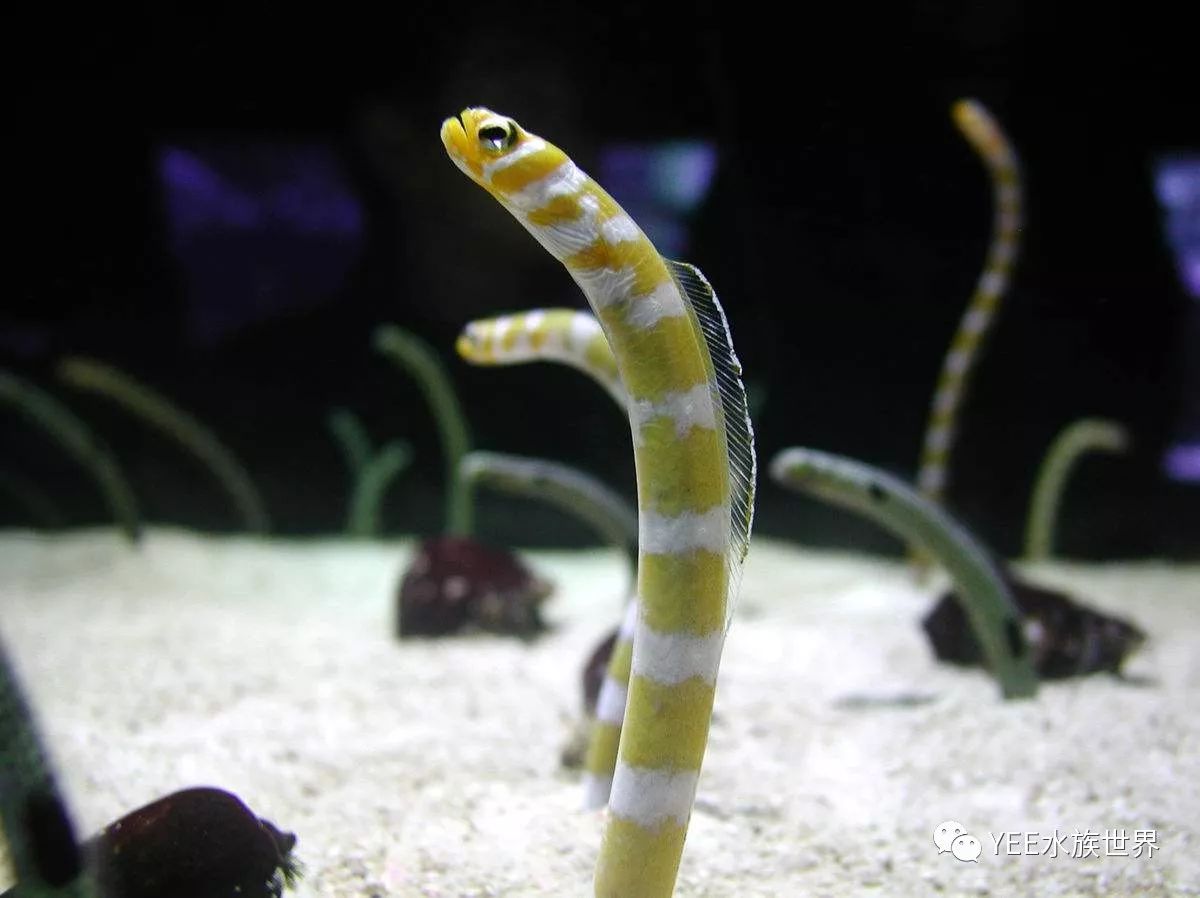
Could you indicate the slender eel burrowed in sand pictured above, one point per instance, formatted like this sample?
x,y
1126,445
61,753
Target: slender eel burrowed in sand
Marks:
x,y
415,356
693,454
575,339
941,430
1066,637
1087,435
544,335
453,580
578,494
995,618
162,414
371,472
75,436
586,498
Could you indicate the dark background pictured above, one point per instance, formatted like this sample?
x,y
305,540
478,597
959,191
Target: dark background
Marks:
x,y
844,232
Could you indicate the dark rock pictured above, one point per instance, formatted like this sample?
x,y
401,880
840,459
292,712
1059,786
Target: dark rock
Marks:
x,y
1066,638
455,583
196,843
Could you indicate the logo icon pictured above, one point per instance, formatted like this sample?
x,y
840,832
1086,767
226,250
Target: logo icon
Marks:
x,y
966,848
946,833
951,836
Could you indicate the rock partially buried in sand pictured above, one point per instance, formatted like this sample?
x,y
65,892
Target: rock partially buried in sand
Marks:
x,y
197,843
455,583
1066,638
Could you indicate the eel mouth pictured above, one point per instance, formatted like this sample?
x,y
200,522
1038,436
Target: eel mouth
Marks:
x,y
454,137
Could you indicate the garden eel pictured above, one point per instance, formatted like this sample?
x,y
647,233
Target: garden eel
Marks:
x,y
163,415
41,839
553,335
694,459
576,339
424,365
988,140
1076,439
894,505
65,428
580,495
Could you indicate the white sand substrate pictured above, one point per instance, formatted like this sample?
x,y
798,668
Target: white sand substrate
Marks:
x,y
431,768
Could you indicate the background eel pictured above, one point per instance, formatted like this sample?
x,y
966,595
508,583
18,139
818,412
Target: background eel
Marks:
x,y
579,494
885,499
589,500
985,135
418,358
371,472
41,839
75,436
694,458
576,339
162,414
552,335
1083,436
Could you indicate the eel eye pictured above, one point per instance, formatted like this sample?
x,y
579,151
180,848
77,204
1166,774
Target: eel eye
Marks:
x,y
498,137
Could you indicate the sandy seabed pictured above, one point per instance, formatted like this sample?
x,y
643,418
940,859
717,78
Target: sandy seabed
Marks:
x,y
431,768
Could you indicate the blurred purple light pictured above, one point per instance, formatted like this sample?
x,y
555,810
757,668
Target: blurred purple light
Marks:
x,y
660,185
1183,463
259,228
1177,185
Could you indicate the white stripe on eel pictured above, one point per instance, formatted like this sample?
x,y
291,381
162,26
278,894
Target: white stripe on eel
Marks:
x,y
569,236
504,346
932,478
534,319
992,282
688,409
675,534
939,438
653,796
610,287
620,229
671,658
610,706
596,790
648,309
584,328
958,361
977,319
605,286
566,180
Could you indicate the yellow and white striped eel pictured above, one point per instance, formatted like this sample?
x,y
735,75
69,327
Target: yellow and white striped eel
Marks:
x,y
576,339
694,458
988,140
600,762
556,335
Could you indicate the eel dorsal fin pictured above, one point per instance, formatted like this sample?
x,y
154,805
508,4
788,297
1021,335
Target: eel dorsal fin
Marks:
x,y
730,393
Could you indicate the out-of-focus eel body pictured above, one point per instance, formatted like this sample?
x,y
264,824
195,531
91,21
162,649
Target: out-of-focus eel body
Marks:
x,y
985,135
